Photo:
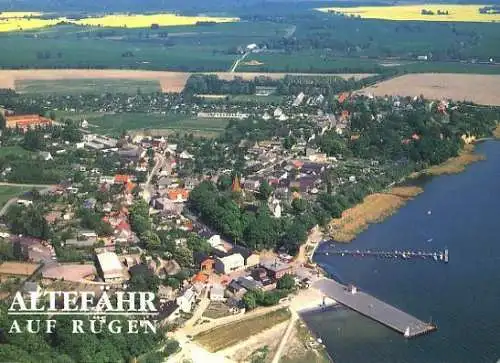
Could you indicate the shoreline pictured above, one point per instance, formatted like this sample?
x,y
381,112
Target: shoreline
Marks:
x,y
376,207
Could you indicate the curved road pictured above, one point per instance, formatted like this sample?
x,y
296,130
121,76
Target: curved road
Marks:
x,y
44,188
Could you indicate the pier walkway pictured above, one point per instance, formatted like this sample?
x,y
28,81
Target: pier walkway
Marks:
x,y
374,308
441,256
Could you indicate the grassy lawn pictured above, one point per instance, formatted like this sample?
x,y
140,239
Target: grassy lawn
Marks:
x,y
13,150
230,334
216,310
79,86
8,192
116,123
274,99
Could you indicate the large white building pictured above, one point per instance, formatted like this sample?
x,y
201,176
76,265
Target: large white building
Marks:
x,y
111,267
186,300
230,263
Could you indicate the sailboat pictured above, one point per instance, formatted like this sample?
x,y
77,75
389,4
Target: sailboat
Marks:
x,y
407,332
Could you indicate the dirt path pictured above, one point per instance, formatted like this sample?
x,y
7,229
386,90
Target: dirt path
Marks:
x,y
284,339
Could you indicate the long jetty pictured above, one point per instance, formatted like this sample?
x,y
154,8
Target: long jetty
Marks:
x,y
440,256
374,308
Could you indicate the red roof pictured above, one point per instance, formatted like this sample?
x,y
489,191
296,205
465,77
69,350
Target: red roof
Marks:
x,y
123,225
200,277
119,178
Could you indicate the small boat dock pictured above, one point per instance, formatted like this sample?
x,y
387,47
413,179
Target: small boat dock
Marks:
x,y
439,256
374,308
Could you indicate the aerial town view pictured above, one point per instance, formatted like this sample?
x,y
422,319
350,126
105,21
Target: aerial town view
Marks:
x,y
277,181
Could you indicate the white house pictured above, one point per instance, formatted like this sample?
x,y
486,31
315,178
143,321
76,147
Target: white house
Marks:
x,y
217,293
214,241
186,300
185,155
45,155
112,269
230,263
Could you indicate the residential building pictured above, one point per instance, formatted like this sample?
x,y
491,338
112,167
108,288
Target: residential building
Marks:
x,y
251,259
203,261
249,283
187,300
45,155
111,267
178,195
229,263
217,293
26,121
276,269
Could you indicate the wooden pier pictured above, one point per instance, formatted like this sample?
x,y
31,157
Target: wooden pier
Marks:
x,y
374,308
440,256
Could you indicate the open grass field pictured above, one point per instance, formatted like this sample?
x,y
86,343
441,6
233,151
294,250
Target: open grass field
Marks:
x,y
8,192
115,123
481,89
79,86
6,151
13,21
227,335
25,80
455,12
96,80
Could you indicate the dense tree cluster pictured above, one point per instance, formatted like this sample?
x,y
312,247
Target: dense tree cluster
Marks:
x,y
28,221
288,86
257,230
65,347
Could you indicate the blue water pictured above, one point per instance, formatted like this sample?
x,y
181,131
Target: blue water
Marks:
x,y
461,297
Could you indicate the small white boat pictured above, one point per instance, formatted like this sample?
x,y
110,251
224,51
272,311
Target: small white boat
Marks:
x,y
429,240
429,212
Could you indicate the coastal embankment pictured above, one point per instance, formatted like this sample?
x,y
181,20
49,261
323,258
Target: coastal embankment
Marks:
x,y
378,206
373,209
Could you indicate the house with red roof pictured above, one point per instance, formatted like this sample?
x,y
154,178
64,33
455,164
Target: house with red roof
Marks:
x,y
122,179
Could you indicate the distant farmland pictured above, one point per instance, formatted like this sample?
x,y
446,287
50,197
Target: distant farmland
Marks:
x,y
32,81
422,12
481,89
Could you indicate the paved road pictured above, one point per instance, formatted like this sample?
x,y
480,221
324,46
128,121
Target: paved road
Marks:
x,y
237,62
158,165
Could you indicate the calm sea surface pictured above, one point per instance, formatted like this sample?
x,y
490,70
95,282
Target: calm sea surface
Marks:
x,y
461,297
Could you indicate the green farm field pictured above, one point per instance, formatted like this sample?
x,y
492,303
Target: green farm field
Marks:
x,y
80,86
114,124
183,48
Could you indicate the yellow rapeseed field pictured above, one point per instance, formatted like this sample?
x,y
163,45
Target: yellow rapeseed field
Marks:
x,y
18,24
144,21
463,13
17,21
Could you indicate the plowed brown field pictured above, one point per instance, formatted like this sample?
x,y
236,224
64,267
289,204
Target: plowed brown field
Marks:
x,y
478,88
